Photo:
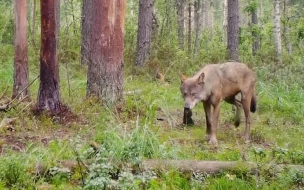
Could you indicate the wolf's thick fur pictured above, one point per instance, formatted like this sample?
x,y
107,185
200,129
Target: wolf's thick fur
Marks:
x,y
217,82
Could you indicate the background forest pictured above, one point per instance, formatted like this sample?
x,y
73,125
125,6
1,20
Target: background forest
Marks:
x,y
94,146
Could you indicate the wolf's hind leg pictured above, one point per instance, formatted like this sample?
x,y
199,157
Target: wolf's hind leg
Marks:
x,y
246,101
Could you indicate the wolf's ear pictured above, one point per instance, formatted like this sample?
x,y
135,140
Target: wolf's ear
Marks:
x,y
201,78
183,77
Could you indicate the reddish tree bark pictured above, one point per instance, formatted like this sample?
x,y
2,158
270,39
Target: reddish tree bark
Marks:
x,y
21,74
48,93
105,66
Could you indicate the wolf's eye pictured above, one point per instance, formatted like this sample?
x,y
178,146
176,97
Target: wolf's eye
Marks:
x,y
185,94
193,94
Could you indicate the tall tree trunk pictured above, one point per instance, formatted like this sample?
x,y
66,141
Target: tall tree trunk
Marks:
x,y
261,15
144,31
211,16
180,7
34,24
105,68
205,13
154,33
225,7
254,22
233,30
286,29
73,17
155,26
244,19
57,15
86,19
261,9
48,93
277,30
21,72
198,23
189,27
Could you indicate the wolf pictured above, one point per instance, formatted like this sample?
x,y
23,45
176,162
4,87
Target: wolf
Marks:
x,y
217,82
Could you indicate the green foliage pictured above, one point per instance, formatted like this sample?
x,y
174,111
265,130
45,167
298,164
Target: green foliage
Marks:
x,y
7,23
283,92
110,168
13,172
214,50
259,154
298,178
229,182
251,7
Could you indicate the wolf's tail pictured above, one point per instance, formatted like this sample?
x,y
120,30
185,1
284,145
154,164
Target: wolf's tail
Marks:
x,y
253,104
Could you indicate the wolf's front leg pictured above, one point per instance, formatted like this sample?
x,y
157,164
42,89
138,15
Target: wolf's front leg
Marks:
x,y
215,116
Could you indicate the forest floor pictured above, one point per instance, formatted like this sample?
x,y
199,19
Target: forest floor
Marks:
x,y
149,123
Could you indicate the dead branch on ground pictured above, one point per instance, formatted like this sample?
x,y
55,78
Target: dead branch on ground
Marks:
x,y
7,123
3,94
5,107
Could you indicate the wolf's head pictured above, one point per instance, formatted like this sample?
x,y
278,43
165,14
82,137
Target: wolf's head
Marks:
x,y
193,90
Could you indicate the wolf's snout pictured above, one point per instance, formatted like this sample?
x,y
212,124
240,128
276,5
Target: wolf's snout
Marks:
x,y
187,106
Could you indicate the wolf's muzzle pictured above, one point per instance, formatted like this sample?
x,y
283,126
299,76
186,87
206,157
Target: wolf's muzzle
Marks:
x,y
187,105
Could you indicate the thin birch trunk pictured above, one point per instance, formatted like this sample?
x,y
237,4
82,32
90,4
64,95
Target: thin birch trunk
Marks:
x,y
277,30
225,7
198,23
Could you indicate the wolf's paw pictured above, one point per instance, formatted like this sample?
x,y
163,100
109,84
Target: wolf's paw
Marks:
x,y
246,138
207,136
212,141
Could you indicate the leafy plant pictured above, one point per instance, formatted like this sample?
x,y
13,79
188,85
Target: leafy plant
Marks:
x,y
112,169
14,172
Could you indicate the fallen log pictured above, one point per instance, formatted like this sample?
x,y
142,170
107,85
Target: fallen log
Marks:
x,y
184,166
212,167
189,165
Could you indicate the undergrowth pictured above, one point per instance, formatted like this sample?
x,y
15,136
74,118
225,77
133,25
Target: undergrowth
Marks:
x,y
147,125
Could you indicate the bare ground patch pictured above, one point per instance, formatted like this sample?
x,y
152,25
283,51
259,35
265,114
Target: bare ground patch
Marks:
x,y
31,129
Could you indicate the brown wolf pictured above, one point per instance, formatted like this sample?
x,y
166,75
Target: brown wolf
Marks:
x,y
216,82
